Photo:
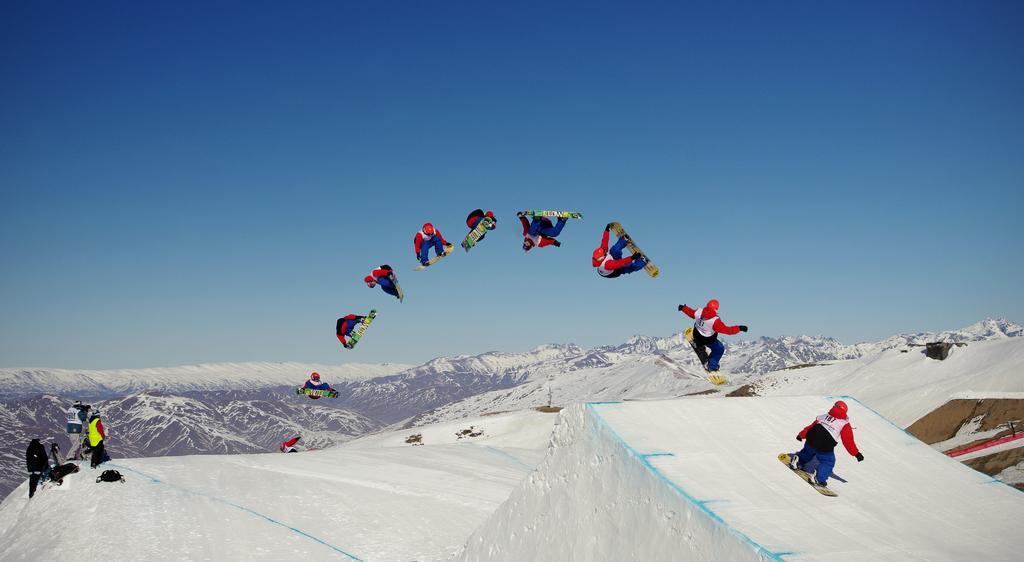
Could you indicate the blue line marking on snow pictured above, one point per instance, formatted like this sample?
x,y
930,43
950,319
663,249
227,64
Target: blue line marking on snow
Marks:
x,y
658,455
239,507
701,504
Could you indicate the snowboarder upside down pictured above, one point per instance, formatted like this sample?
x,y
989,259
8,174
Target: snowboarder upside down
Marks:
x,y
540,232
822,436
610,263
345,326
382,276
706,328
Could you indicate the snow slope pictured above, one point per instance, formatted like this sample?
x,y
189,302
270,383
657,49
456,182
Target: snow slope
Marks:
x,y
906,386
377,502
695,479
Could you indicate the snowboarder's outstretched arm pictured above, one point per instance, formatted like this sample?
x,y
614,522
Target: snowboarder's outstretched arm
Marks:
x,y
851,447
687,311
526,225
721,328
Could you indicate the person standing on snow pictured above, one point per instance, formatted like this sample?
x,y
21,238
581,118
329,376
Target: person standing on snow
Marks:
x,y
289,445
540,232
96,437
610,263
706,328
822,436
474,218
383,276
345,326
38,464
429,237
314,384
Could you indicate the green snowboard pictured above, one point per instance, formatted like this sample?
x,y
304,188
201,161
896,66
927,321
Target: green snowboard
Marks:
x,y
357,334
555,214
477,233
320,393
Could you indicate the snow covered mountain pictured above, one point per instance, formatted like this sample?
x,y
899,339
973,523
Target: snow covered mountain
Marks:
x,y
155,424
208,377
238,407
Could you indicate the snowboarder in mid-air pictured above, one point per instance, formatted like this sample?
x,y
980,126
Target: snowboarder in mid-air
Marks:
x,y
345,326
706,328
822,436
429,237
385,277
474,218
539,232
314,383
610,263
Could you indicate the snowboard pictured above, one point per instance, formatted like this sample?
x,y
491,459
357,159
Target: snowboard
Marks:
x,y
447,250
785,459
477,233
357,334
650,268
321,393
715,378
551,214
394,279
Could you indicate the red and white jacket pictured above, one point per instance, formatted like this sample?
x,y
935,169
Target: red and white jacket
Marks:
x,y
422,237
838,428
607,265
371,279
539,240
708,321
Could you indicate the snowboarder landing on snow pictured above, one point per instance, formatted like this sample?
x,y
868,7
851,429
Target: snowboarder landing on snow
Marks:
x,y
345,326
539,232
610,263
474,218
314,384
706,328
822,436
429,237
383,276
289,445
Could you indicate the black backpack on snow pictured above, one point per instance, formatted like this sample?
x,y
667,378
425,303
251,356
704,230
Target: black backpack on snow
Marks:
x,y
110,476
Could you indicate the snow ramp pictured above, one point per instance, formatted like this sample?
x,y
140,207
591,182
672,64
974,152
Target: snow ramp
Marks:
x,y
693,479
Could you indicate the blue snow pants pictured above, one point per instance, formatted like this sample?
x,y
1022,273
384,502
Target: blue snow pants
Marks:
x,y
544,228
386,284
434,243
826,461
616,252
717,351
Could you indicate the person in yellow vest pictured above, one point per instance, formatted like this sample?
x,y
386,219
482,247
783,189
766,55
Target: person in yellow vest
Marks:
x,y
96,436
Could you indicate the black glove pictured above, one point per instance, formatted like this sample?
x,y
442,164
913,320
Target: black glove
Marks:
x,y
860,457
608,226
743,328
681,307
798,438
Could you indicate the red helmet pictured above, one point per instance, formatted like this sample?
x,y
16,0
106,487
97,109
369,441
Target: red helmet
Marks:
x,y
598,254
428,229
315,376
712,305
838,410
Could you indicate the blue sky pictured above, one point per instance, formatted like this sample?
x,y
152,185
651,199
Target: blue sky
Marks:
x,y
194,182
